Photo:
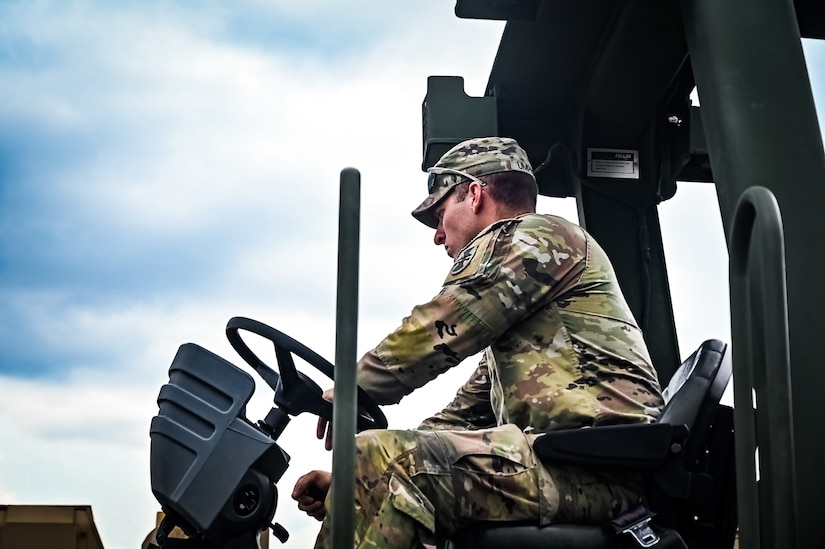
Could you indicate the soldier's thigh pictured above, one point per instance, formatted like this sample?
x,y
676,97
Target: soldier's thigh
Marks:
x,y
471,476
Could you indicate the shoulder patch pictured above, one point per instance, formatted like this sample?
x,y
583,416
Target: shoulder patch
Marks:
x,y
464,259
473,260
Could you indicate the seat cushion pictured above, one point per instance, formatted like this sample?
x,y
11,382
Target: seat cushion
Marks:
x,y
561,536
565,536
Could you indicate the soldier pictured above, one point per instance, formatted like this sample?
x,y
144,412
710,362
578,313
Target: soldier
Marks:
x,y
561,348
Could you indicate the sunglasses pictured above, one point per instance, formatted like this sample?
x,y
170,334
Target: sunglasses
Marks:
x,y
433,174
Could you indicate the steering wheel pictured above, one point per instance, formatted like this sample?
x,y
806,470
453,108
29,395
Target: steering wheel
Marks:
x,y
295,392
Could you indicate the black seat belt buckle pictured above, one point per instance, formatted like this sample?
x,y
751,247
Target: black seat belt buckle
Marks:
x,y
643,533
636,523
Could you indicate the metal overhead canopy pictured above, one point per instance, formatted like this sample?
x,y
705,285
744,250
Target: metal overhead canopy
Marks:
x,y
599,73
596,71
587,73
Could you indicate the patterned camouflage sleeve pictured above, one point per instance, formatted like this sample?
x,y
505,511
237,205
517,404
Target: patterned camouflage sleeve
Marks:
x,y
492,285
435,337
470,409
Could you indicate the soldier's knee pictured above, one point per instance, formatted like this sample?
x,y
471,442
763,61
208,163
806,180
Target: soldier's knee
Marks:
x,y
370,442
383,445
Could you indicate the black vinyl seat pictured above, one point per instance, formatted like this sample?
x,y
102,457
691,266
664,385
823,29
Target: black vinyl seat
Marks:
x,y
687,458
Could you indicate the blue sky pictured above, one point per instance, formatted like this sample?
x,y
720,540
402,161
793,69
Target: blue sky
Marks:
x,y
165,166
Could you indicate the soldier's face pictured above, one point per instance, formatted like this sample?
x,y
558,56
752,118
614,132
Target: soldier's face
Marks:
x,y
457,224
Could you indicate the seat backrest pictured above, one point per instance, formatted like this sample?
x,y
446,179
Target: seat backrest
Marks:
x,y
699,382
695,494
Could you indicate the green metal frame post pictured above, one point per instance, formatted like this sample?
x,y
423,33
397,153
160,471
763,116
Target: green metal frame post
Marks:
x,y
762,367
346,331
762,130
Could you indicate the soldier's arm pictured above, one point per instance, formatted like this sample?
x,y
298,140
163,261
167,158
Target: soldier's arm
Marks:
x,y
501,276
470,409
435,337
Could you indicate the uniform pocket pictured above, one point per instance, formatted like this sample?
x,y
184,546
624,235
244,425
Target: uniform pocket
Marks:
x,y
495,478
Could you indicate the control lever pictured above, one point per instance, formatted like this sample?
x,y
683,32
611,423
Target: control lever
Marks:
x,y
279,532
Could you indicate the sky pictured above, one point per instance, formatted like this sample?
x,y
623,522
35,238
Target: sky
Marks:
x,y
165,166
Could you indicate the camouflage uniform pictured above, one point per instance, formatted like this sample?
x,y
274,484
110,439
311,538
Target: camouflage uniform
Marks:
x,y
561,350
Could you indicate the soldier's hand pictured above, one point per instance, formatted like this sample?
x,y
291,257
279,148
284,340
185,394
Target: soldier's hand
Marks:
x,y
324,428
310,492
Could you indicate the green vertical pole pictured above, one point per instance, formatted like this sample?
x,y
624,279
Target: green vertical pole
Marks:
x,y
761,366
346,330
761,129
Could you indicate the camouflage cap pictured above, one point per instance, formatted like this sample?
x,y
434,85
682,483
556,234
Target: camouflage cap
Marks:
x,y
472,158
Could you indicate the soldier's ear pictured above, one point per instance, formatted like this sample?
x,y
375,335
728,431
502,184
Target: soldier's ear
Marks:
x,y
477,196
